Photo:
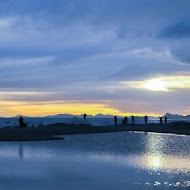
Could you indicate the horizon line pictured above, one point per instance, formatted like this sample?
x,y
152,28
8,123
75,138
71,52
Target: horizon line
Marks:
x,y
93,115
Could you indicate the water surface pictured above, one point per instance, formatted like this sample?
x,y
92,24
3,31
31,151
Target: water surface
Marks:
x,y
120,160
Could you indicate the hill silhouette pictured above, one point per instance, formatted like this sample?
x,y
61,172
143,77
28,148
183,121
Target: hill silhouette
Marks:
x,y
100,115
176,116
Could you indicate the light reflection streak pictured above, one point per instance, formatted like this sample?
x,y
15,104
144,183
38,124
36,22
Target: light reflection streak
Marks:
x,y
166,163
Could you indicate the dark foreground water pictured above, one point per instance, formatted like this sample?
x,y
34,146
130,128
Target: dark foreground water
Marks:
x,y
122,160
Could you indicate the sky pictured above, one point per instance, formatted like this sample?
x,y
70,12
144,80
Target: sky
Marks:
x,y
96,56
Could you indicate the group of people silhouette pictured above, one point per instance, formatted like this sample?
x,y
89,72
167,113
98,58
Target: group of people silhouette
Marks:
x,y
165,119
124,120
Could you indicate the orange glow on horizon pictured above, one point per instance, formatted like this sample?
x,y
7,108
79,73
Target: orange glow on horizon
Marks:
x,y
9,109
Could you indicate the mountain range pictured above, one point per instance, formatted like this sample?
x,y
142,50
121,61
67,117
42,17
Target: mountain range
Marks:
x,y
168,115
176,116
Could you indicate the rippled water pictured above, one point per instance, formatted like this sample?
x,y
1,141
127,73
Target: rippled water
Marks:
x,y
122,160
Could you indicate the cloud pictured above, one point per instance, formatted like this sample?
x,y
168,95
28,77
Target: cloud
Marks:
x,y
82,50
182,54
6,22
177,30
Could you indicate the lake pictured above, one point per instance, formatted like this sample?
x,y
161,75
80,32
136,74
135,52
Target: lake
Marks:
x,y
120,160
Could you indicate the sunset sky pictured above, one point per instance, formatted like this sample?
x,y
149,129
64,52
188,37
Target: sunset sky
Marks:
x,y
96,56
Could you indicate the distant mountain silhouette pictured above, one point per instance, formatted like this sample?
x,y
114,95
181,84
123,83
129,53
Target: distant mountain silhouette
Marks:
x,y
100,115
80,116
18,116
176,116
61,116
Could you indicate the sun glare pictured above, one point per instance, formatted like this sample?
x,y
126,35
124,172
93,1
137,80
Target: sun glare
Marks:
x,y
156,85
165,83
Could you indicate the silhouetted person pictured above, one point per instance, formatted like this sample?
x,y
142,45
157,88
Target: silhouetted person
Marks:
x,y
115,120
133,119
160,120
125,119
145,119
166,119
84,116
21,122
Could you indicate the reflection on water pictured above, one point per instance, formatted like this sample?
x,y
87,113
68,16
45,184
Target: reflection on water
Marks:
x,y
155,144
154,162
143,160
167,163
20,149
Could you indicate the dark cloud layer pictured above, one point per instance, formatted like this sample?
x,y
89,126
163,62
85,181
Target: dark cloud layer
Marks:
x,y
182,54
177,30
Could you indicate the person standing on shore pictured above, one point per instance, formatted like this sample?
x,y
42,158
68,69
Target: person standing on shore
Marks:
x,y
145,119
160,120
84,116
115,120
21,122
125,119
133,119
166,120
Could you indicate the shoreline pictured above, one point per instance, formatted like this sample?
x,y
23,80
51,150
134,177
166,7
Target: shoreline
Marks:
x,y
52,131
